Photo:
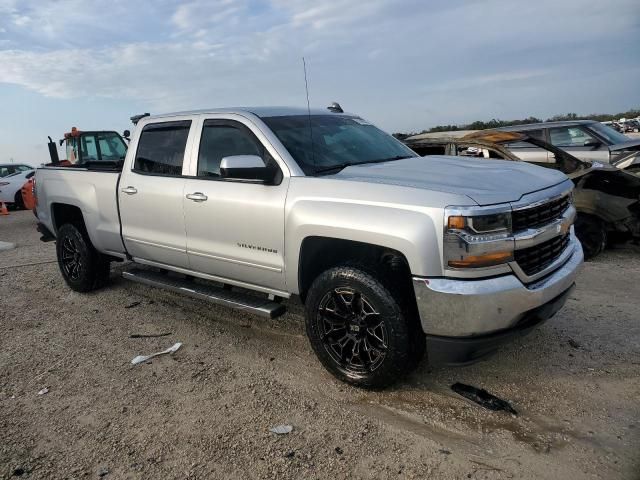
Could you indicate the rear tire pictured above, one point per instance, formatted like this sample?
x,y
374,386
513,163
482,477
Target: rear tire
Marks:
x,y
592,233
83,268
360,331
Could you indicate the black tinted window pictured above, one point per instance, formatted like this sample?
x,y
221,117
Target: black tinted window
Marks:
x,y
161,148
429,149
224,139
337,140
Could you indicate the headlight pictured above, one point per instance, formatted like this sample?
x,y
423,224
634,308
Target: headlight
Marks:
x,y
481,224
477,241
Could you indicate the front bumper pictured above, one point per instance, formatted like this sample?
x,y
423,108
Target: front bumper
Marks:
x,y
469,308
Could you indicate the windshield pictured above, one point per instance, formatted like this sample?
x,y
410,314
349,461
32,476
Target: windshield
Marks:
x,y
337,141
610,135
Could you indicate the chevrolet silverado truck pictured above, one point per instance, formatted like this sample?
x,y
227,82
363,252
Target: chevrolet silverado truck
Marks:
x,y
392,254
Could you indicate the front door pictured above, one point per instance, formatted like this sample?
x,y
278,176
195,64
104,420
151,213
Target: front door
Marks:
x,y
151,195
235,229
573,138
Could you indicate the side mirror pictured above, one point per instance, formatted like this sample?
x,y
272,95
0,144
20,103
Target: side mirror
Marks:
x,y
126,134
244,167
592,142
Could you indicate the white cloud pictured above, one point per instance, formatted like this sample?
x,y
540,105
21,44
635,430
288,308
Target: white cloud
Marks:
x,y
226,52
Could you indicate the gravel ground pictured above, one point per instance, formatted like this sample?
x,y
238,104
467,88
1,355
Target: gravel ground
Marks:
x,y
205,412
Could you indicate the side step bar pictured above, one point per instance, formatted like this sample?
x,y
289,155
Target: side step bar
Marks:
x,y
259,306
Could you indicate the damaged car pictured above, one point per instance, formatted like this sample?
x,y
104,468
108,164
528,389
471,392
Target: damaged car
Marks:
x,y
607,199
585,139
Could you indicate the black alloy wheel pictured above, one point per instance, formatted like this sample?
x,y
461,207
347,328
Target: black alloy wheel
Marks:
x,y
352,331
71,261
82,266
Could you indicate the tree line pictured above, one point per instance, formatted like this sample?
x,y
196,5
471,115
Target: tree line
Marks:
x,y
496,123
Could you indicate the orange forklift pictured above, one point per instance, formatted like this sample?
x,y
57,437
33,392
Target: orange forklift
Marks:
x,y
90,149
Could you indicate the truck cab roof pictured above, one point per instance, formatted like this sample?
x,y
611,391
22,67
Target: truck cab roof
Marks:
x,y
257,111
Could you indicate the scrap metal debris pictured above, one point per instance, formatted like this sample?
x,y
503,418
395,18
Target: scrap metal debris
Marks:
x,y
281,429
572,343
43,391
144,358
483,398
149,335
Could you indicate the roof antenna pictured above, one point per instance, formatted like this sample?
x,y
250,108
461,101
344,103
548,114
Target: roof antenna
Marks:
x,y
306,86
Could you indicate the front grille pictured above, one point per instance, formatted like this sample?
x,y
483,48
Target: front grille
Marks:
x,y
534,217
535,259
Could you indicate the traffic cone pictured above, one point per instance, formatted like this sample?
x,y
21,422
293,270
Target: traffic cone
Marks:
x,y
3,209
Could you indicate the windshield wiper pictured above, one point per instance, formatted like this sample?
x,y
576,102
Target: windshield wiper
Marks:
x,y
390,159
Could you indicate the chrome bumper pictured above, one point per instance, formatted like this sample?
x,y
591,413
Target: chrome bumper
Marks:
x,y
464,308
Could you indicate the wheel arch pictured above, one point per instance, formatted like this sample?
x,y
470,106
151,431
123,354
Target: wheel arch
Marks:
x,y
62,213
319,253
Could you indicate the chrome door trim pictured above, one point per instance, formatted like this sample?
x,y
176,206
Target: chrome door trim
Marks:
x,y
233,260
205,276
152,244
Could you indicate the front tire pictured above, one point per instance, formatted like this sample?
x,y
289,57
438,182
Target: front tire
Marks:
x,y
592,233
359,330
83,268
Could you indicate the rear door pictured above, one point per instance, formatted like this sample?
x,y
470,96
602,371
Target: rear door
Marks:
x,y
235,229
151,193
529,152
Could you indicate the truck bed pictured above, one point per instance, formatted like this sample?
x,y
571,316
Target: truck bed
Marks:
x,y
93,191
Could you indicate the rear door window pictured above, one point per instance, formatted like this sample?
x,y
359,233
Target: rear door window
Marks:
x,y
161,148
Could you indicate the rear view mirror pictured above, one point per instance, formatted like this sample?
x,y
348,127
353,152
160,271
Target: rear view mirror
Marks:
x,y
243,167
592,142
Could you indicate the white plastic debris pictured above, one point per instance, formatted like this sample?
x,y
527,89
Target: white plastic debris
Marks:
x,y
43,391
144,358
7,246
281,429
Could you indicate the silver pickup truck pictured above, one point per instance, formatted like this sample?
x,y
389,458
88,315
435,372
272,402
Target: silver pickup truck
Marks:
x,y
392,254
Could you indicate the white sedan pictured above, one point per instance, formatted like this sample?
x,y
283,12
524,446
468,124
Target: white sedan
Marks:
x,y
11,185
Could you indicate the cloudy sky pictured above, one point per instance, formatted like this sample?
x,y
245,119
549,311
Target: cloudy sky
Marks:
x,y
403,64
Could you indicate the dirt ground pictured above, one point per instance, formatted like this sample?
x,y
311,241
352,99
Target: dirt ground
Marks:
x,y
205,412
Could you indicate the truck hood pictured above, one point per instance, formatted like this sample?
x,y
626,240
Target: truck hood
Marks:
x,y
631,145
486,182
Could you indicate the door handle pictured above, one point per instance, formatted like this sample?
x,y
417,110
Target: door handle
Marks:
x,y
197,197
129,190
